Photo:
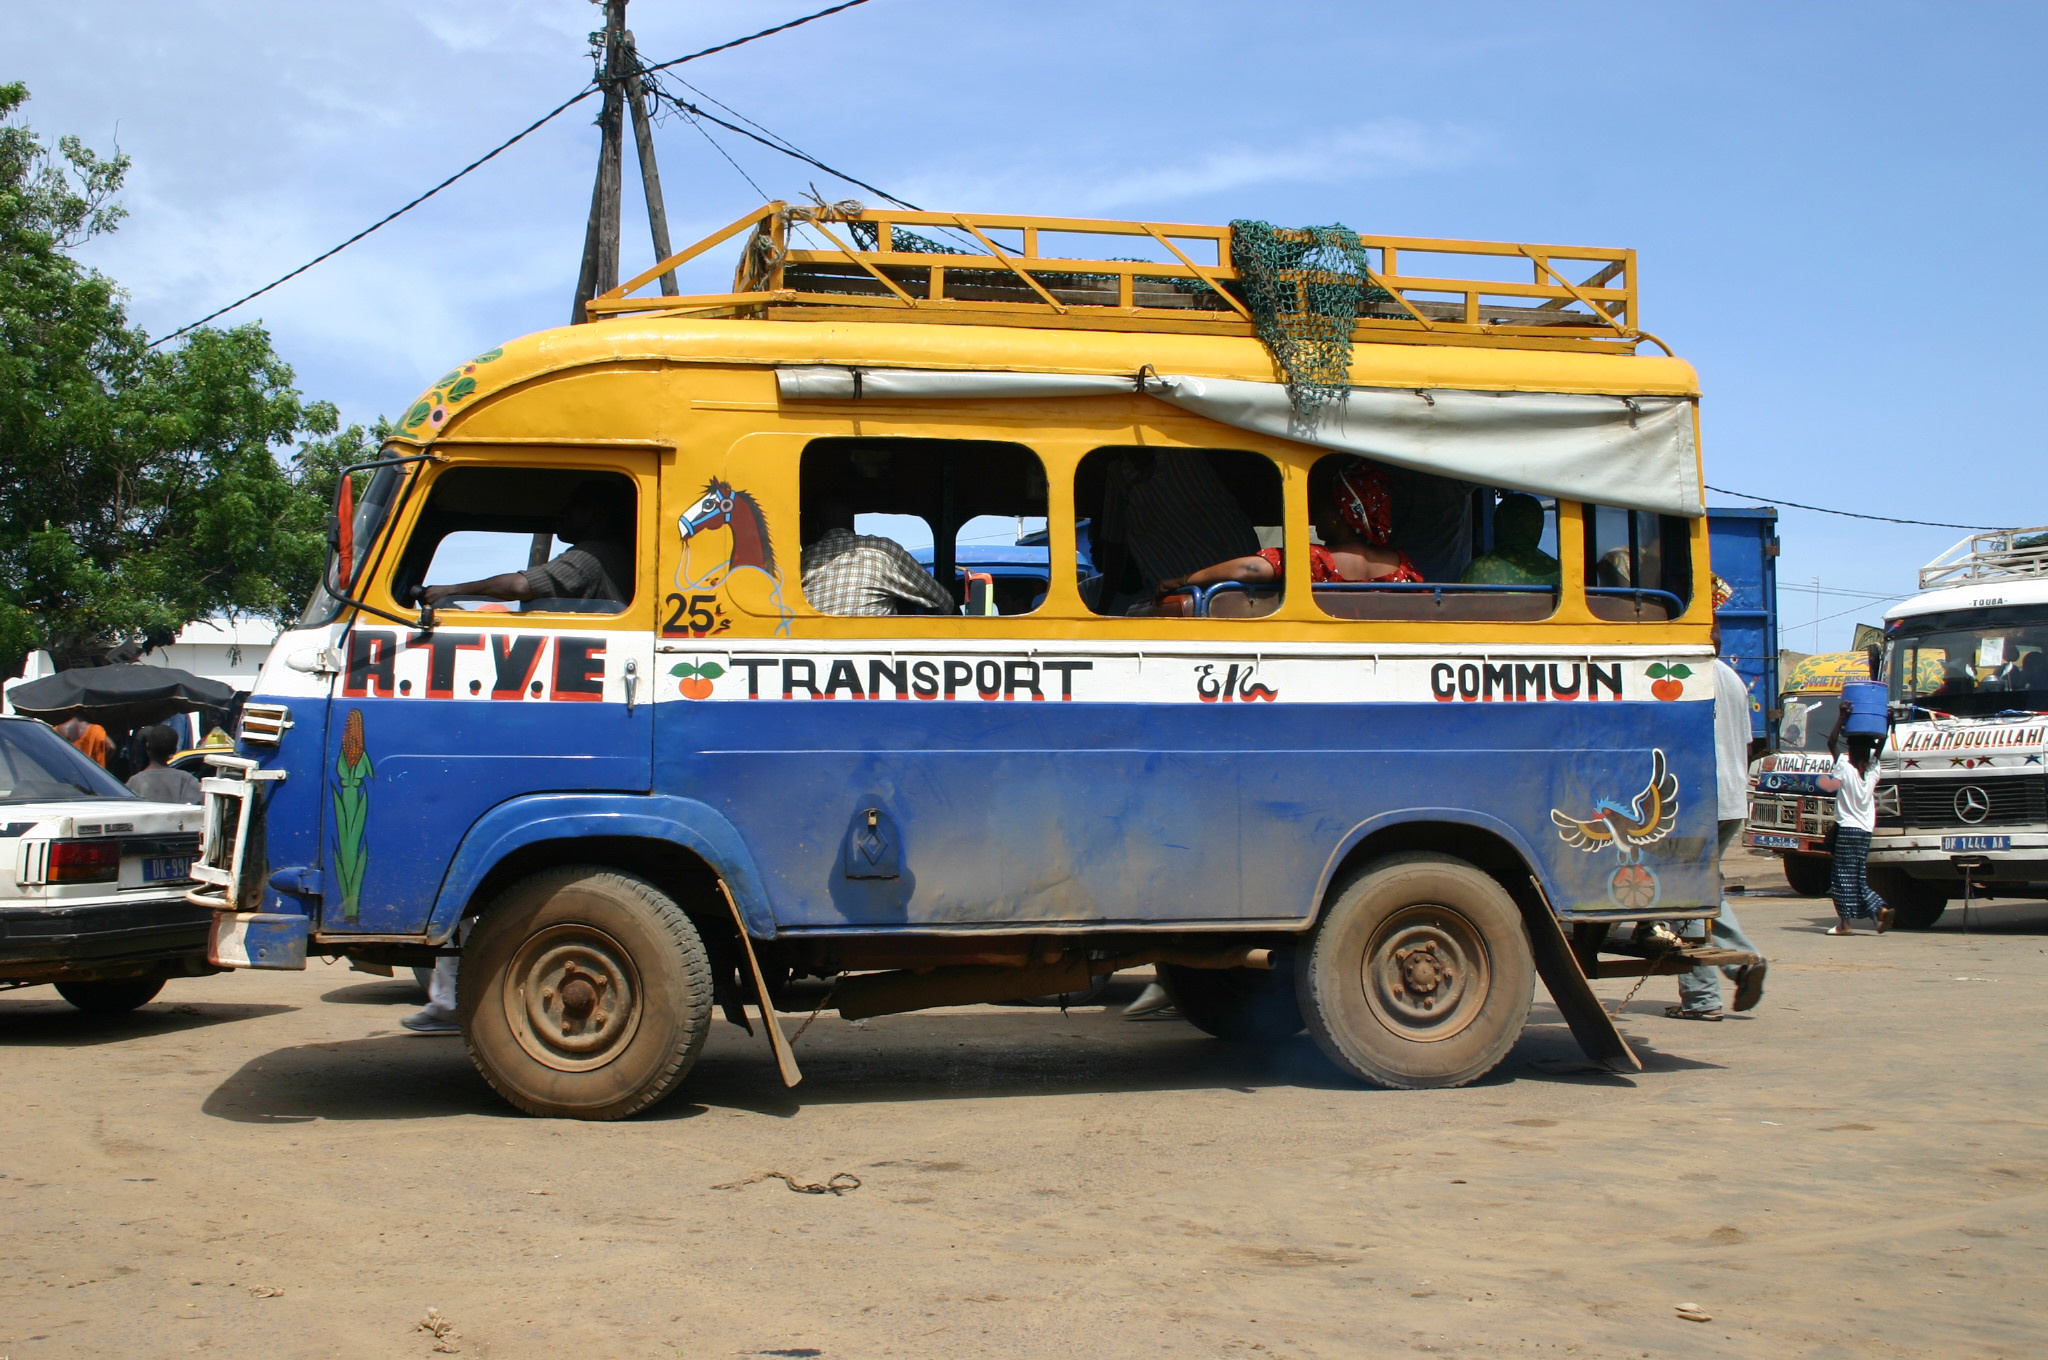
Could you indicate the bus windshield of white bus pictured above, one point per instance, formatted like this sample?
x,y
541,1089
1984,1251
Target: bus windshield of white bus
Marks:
x,y
1976,664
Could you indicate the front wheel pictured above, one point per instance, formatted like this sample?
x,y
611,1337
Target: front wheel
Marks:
x,y
1418,974
110,998
584,993
1809,875
1916,903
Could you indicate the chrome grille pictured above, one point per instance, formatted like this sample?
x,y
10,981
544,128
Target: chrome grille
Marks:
x,y
265,724
2012,799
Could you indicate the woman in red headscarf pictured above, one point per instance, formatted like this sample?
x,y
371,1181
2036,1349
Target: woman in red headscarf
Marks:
x,y
1354,517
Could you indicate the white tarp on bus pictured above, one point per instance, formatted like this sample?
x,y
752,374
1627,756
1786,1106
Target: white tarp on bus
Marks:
x,y
1632,451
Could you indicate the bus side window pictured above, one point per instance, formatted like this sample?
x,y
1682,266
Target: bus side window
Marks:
x,y
1157,514
916,526
525,540
1638,564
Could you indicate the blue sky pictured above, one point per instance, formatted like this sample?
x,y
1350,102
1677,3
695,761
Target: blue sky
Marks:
x,y
1836,205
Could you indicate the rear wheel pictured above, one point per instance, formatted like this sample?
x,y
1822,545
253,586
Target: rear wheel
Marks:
x,y
1243,1005
110,998
1916,903
584,993
1418,974
1809,875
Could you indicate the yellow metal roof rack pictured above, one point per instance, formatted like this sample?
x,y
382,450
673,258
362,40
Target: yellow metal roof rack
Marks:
x,y
992,269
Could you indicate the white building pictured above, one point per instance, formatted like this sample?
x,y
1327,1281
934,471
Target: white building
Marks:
x,y
228,650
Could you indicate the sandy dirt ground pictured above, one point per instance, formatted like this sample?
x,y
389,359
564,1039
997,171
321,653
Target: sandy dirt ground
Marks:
x,y
266,1165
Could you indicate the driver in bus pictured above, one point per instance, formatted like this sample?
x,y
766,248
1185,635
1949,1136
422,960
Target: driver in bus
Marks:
x,y
1353,515
597,565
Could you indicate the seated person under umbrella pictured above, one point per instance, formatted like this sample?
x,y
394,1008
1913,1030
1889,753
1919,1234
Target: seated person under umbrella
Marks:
x,y
1516,559
1353,515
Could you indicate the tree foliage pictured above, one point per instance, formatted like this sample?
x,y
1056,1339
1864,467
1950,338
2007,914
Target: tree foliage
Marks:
x,y
140,489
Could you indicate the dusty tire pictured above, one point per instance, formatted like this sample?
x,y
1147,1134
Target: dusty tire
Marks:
x,y
110,998
1809,875
1916,904
1418,974
1242,1005
584,994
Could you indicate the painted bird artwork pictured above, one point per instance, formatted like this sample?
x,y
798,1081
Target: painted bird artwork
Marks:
x,y
1628,828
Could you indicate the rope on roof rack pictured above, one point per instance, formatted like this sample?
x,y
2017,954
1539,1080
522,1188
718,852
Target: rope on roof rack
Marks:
x,y
1305,287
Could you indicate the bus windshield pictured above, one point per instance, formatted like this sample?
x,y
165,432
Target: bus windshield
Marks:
x,y
373,507
1974,664
1808,720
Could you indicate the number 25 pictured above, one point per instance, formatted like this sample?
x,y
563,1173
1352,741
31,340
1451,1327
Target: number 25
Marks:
x,y
699,607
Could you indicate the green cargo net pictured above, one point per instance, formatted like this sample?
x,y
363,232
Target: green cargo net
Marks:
x,y
1305,287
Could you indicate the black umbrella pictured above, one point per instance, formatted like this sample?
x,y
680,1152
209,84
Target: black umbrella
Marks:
x,y
125,695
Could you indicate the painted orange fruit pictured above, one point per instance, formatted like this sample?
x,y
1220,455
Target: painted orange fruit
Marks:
x,y
1633,886
1666,690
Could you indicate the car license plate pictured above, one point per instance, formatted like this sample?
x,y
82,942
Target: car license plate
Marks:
x,y
166,869
1976,842
1766,840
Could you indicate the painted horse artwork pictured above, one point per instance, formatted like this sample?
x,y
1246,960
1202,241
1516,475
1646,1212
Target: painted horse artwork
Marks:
x,y
752,559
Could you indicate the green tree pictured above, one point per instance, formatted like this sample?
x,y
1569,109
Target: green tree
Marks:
x,y
140,488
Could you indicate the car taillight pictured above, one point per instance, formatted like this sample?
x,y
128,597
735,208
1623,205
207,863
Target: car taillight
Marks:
x,y
84,861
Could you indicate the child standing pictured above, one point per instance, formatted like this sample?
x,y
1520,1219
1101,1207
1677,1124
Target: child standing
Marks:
x,y
1855,778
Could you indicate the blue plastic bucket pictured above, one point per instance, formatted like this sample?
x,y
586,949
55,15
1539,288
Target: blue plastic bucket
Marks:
x,y
1865,702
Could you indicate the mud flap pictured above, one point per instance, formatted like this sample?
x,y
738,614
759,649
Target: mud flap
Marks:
x,y
785,1056
1591,1025
257,939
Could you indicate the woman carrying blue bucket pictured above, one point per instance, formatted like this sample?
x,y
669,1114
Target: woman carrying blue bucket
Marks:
x,y
1863,721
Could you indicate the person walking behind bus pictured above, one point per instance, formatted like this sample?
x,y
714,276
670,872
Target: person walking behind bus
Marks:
x,y
1699,990
439,1015
1855,788
157,781
89,737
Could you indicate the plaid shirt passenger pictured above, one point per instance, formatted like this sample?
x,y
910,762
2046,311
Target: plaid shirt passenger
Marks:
x,y
860,574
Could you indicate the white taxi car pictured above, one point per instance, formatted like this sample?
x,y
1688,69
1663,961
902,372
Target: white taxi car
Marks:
x,y
92,878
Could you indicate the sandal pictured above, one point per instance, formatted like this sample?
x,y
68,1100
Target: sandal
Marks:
x,y
1838,930
1884,919
1681,1013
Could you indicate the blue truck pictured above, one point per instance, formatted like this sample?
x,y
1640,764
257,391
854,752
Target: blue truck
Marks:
x,y
1743,543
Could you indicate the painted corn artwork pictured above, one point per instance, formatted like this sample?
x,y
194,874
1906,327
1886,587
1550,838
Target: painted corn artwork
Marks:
x,y
352,770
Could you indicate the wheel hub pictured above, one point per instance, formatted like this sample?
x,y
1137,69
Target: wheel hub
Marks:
x,y
1425,973
1422,973
572,997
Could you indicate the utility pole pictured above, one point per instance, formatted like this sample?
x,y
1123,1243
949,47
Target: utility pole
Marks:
x,y
625,87
650,173
600,271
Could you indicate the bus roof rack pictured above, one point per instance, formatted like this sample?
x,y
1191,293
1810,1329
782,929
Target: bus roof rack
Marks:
x,y
1998,554
843,261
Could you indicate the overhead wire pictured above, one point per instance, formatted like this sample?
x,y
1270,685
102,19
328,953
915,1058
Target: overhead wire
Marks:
x,y
505,145
753,37
687,107
705,133
1854,514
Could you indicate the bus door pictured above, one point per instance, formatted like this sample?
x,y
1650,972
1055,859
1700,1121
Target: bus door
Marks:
x,y
430,728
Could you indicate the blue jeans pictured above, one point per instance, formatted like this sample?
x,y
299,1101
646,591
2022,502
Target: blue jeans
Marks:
x,y
1699,989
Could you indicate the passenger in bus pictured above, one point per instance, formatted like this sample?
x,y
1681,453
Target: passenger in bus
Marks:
x,y
865,575
1432,521
1167,514
597,525
1516,559
1955,679
1353,516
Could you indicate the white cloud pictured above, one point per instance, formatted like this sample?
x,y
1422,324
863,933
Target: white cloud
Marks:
x,y
1082,183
